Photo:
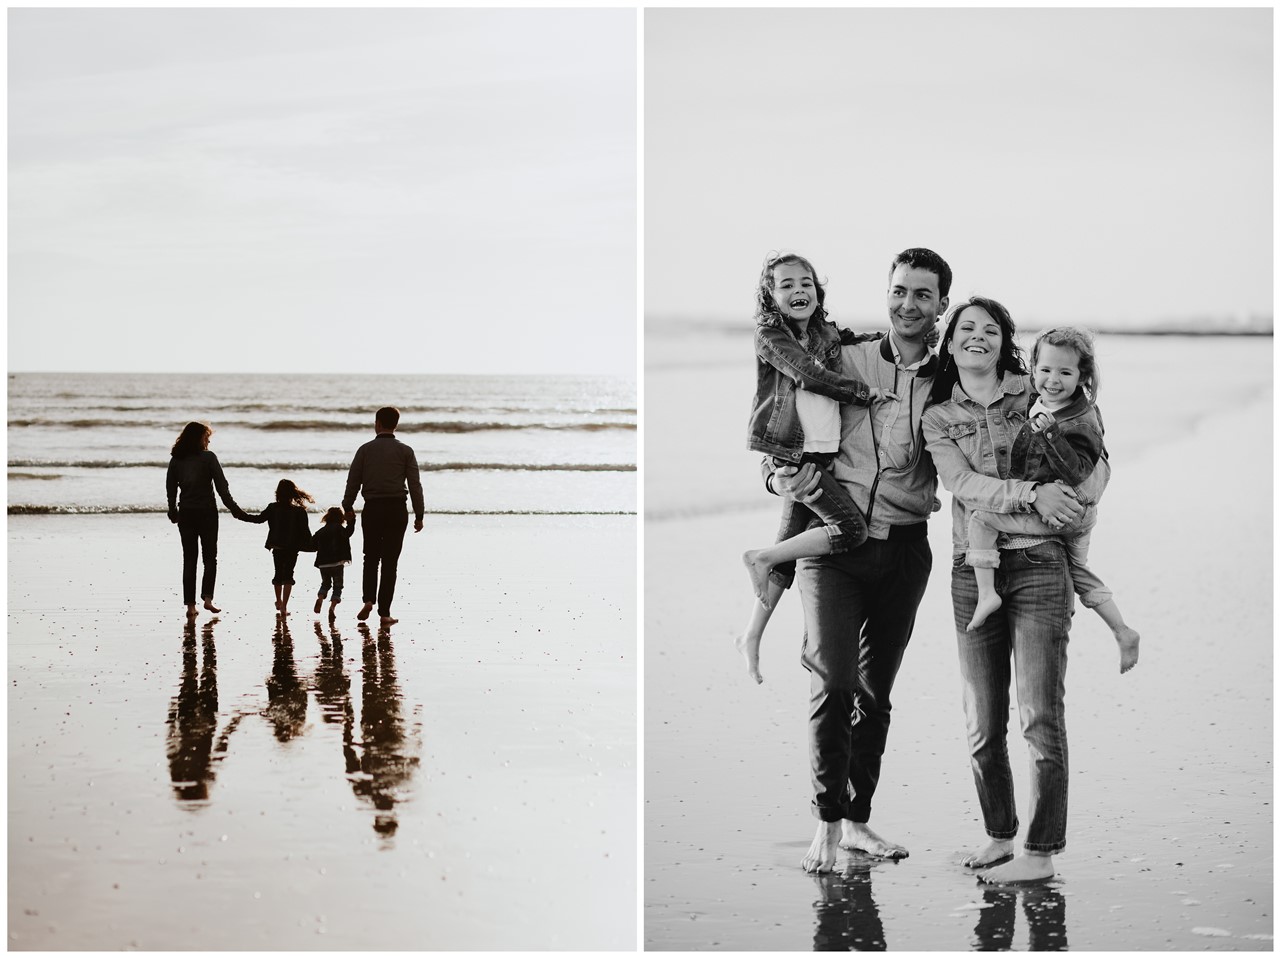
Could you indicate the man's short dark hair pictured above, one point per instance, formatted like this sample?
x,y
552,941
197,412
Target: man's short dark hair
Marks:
x,y
920,258
388,417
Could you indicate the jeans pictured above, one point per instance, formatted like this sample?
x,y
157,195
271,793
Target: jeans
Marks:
x,y
285,560
984,526
859,610
1032,625
845,525
331,576
199,531
382,526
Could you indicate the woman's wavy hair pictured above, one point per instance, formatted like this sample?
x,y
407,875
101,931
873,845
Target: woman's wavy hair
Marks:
x,y
193,438
1010,361
765,306
1081,340
287,494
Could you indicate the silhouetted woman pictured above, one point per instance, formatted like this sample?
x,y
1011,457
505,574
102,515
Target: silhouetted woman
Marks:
x,y
195,472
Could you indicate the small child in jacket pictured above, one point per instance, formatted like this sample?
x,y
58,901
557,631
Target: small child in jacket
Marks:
x,y
288,533
333,551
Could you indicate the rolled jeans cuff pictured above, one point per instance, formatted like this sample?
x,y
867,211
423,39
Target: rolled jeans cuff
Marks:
x,y
1096,597
1004,836
982,558
1043,848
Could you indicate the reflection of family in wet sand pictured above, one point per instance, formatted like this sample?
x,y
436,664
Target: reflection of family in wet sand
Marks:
x,y
856,433
384,470
378,761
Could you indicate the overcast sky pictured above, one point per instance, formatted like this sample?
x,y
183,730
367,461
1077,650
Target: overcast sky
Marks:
x,y
398,190
1082,165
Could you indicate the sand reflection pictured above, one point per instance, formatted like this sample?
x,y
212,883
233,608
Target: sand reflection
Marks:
x,y
1045,910
378,759
848,918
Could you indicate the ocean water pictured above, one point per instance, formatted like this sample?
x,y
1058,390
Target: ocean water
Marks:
x,y
94,443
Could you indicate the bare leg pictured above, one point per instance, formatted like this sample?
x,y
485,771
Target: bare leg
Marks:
x,y
277,591
191,611
759,562
994,851
988,600
284,599
319,603
1126,637
1030,866
333,608
821,856
858,836
749,642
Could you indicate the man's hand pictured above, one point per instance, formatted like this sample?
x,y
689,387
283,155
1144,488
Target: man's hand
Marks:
x,y
350,516
1057,504
798,483
173,516
882,395
417,524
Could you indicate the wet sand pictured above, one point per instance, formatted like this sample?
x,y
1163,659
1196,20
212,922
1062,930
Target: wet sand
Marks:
x,y
466,781
1170,825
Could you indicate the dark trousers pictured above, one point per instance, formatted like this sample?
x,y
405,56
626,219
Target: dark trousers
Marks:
x,y
331,576
382,526
859,611
199,531
285,560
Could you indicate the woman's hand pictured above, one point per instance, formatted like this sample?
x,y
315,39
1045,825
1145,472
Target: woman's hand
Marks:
x,y
882,395
798,483
1057,504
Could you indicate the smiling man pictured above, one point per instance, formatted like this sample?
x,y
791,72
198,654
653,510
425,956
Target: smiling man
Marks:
x,y
860,606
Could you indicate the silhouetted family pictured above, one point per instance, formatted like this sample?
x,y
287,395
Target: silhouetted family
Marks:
x,y
384,470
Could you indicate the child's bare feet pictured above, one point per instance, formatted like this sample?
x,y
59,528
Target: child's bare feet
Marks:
x,y
758,570
319,604
986,605
821,856
749,645
857,835
1128,642
996,850
1028,867
364,611
208,604
333,609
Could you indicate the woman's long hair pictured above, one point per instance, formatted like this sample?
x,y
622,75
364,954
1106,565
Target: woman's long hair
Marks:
x,y
287,494
193,438
1010,360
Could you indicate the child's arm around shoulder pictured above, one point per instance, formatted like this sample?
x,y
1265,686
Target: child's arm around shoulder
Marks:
x,y
781,351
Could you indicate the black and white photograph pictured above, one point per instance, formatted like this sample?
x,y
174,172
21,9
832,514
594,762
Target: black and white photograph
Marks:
x,y
958,367
322,479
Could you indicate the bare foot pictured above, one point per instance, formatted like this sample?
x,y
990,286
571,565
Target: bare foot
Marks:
x,y
749,646
1128,641
857,836
821,856
319,605
759,570
364,612
386,620
1028,867
986,605
333,610
996,850
208,604
191,612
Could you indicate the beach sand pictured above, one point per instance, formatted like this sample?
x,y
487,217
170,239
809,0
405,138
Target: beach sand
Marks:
x,y
468,783
1170,823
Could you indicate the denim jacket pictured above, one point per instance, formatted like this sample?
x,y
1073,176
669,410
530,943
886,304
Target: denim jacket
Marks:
x,y
1068,448
782,367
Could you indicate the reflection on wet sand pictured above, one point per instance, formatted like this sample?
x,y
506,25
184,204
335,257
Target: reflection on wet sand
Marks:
x,y
379,765
847,916
1045,910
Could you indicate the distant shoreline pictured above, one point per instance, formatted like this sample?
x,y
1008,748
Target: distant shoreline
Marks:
x,y
669,326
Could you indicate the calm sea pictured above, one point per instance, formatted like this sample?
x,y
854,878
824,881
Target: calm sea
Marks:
x,y
486,444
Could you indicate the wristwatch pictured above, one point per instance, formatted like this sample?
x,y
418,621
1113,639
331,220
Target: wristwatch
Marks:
x,y
1031,499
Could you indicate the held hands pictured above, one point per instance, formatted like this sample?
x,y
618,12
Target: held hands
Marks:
x,y
798,483
1057,505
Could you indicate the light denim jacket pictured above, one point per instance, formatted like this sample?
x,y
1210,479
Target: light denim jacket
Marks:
x,y
970,446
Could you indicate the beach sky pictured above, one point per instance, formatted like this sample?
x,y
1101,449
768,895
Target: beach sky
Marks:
x,y
1095,166
348,190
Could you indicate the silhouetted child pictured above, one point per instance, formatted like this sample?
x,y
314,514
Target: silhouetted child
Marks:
x,y
333,551
288,533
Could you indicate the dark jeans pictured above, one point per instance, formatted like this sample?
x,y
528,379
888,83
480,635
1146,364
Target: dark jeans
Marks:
x,y
331,576
834,510
382,526
285,560
859,610
1032,626
199,531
